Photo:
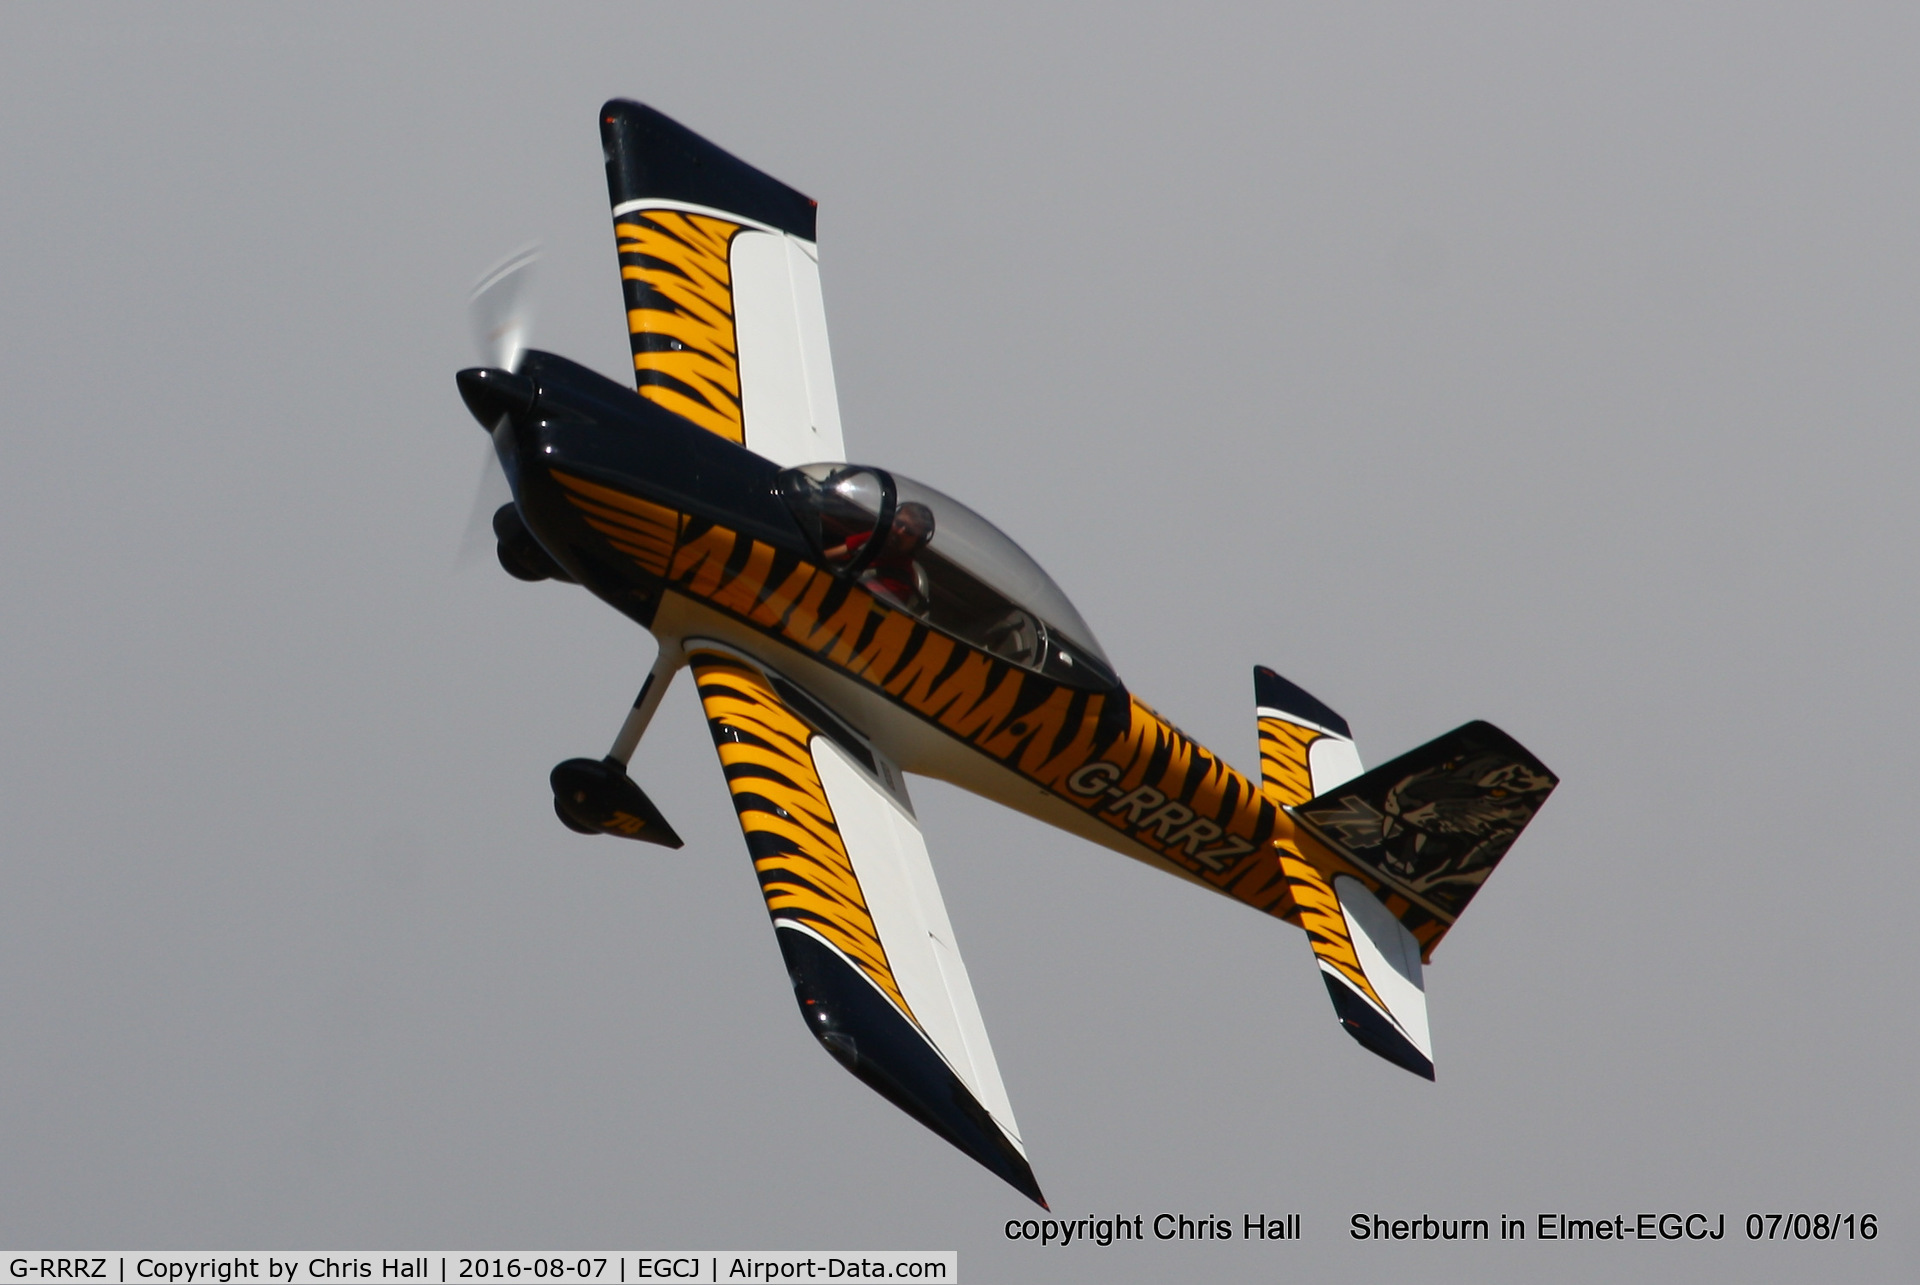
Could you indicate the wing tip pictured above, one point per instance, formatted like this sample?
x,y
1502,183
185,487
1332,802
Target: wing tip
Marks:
x,y
860,1029
650,154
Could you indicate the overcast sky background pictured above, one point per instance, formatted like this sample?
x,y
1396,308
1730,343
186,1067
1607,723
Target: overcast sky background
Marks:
x,y
1552,364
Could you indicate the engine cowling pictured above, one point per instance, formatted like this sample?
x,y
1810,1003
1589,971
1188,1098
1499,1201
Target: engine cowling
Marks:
x,y
523,557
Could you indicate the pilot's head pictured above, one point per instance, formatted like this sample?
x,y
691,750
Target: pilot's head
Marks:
x,y
912,527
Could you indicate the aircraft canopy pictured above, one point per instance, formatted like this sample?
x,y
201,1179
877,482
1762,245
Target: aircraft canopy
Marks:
x,y
931,556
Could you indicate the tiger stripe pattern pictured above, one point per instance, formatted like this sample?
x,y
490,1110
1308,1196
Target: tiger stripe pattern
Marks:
x,y
1284,774
1287,779
1323,864
1319,913
805,872
1107,753
644,531
675,270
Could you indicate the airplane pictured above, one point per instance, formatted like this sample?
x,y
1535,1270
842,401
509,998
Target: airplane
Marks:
x,y
846,627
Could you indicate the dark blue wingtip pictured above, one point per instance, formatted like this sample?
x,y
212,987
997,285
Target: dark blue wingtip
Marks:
x,y
1374,1032
869,1037
649,154
1270,691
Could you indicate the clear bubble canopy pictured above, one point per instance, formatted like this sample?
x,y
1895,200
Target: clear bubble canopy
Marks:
x,y
933,557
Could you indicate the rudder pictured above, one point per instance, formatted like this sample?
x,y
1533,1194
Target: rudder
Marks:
x,y
1431,825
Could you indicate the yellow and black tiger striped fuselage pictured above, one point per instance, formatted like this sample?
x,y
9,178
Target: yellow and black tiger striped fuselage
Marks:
x,y
681,529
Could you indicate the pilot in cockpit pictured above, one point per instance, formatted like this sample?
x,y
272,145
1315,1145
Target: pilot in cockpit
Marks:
x,y
893,570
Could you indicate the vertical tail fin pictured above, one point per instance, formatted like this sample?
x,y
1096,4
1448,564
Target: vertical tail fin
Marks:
x,y
1428,828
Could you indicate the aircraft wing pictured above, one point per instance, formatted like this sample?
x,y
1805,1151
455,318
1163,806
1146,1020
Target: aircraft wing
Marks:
x,y
855,907
722,281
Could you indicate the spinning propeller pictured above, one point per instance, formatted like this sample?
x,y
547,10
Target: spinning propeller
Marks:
x,y
501,313
591,796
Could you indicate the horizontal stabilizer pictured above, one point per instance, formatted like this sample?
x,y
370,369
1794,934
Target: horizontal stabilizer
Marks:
x,y
1389,1014
1305,748
1369,961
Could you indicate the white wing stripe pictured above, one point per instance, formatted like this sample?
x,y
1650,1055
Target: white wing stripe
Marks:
x,y
896,878
816,359
773,374
688,207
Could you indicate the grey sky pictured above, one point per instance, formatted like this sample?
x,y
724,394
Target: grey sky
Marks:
x,y
1550,364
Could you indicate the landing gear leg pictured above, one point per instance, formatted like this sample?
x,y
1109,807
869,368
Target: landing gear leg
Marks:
x,y
596,796
664,667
